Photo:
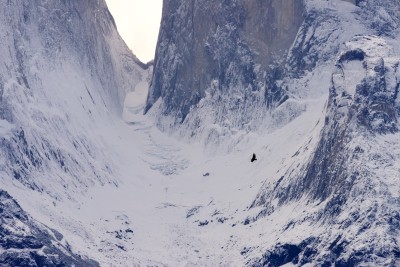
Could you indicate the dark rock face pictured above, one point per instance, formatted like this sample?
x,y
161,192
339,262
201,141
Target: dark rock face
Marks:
x,y
375,106
306,252
227,43
24,242
282,254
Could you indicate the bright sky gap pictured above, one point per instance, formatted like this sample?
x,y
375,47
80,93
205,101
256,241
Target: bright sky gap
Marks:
x,y
138,22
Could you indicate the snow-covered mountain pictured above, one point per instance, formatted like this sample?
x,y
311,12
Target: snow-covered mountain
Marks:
x,y
311,87
64,75
343,178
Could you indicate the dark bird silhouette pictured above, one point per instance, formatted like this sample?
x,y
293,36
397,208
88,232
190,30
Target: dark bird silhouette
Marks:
x,y
254,158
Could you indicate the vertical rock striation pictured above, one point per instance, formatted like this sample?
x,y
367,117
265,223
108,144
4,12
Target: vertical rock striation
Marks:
x,y
224,48
350,178
64,67
64,74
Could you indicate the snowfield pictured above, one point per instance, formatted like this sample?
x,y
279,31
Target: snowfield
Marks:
x,y
174,203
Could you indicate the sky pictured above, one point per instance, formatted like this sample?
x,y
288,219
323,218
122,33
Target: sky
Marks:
x,y
138,23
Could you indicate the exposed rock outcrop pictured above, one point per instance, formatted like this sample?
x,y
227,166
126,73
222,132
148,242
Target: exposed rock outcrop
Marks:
x,y
25,242
225,47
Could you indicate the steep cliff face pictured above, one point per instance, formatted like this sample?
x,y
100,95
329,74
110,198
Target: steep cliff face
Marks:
x,y
64,75
220,48
65,69
25,242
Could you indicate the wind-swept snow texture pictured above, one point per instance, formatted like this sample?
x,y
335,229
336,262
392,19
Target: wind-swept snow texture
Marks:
x,y
310,87
64,74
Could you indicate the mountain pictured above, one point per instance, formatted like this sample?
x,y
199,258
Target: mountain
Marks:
x,y
65,68
106,161
261,66
350,177
209,52
64,75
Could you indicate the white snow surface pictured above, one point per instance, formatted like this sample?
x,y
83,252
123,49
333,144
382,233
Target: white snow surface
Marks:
x,y
163,194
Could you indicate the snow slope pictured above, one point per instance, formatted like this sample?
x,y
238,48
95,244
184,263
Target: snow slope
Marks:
x,y
164,195
64,74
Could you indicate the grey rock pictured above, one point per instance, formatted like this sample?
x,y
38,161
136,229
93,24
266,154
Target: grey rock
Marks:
x,y
25,242
225,43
